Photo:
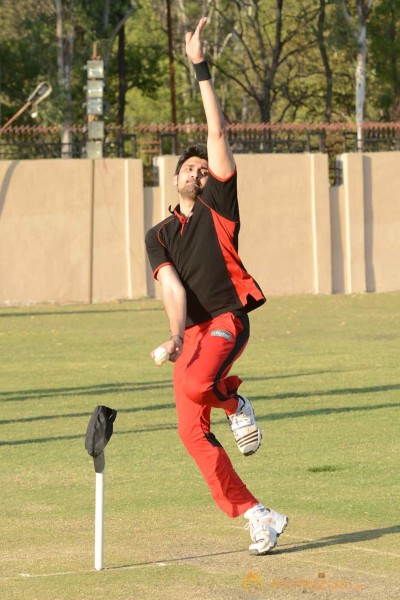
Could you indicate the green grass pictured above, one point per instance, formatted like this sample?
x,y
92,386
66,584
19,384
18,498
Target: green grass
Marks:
x,y
323,375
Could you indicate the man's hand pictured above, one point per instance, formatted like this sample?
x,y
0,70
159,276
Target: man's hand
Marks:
x,y
173,347
194,50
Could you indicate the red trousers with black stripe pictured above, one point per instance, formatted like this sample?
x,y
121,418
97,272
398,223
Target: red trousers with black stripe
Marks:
x,y
201,382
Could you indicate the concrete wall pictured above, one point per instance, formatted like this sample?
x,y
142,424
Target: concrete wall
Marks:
x,y
284,207
119,259
73,230
365,224
381,174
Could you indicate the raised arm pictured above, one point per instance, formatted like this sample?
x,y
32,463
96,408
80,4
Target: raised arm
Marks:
x,y
220,157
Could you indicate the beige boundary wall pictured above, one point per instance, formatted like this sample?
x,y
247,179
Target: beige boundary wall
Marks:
x,y
73,230
285,223
365,215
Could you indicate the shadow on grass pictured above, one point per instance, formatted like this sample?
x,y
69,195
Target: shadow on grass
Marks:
x,y
326,411
110,388
91,390
117,388
122,388
339,392
87,414
84,311
341,539
172,426
167,426
162,561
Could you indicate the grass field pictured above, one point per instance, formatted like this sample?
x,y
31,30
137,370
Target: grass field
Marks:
x,y
323,374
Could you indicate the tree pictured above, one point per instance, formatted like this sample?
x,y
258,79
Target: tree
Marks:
x,y
324,52
265,50
65,33
271,60
384,28
137,64
22,64
121,11
359,30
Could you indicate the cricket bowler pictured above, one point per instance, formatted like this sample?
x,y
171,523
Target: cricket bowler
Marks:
x,y
207,295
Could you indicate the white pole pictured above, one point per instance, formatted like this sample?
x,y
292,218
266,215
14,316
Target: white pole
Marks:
x,y
99,523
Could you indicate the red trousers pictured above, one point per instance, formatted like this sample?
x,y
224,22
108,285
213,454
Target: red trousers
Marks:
x,y
201,382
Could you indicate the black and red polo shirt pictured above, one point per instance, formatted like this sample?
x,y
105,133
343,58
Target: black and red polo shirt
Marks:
x,y
204,251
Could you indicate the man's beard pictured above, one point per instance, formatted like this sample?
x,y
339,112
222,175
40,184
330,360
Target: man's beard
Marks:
x,y
190,191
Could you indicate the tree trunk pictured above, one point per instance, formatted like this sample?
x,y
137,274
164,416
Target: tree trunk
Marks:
x,y
265,112
360,32
64,63
171,64
106,14
361,72
121,77
325,61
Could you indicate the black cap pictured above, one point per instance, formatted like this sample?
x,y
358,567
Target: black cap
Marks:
x,y
99,430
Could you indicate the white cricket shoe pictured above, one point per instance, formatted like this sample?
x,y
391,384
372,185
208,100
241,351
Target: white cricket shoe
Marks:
x,y
265,526
244,427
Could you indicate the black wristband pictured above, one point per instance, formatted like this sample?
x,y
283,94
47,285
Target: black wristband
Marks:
x,y
178,336
202,71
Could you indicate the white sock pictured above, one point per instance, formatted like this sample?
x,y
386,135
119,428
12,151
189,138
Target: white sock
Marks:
x,y
250,511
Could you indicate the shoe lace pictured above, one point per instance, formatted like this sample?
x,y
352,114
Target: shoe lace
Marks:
x,y
255,519
256,528
250,528
241,418
260,519
234,419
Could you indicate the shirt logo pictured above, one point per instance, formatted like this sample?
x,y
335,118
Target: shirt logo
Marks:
x,y
221,333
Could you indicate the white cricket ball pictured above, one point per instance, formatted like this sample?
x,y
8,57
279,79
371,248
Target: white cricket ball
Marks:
x,y
160,356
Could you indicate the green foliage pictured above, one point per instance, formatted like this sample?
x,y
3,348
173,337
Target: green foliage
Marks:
x,y
263,69
23,37
146,66
385,57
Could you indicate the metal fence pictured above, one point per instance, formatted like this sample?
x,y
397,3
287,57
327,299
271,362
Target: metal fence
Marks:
x,y
146,142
